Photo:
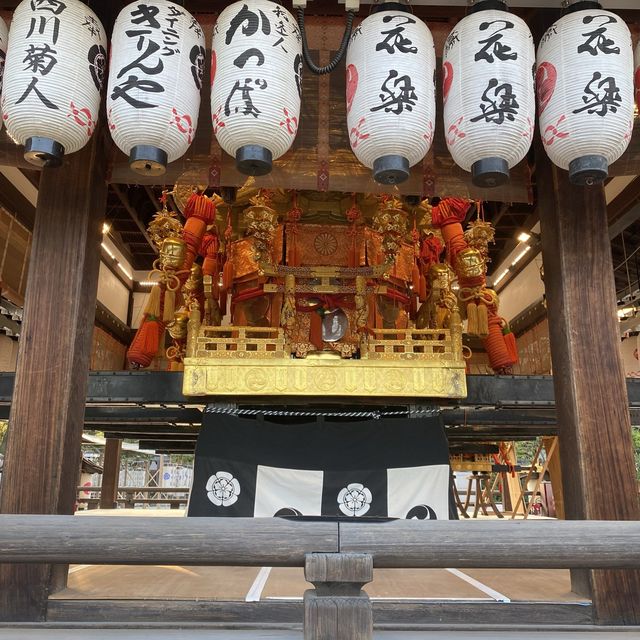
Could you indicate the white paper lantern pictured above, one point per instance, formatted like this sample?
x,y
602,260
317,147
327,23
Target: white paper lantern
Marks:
x,y
53,77
256,83
155,78
585,92
391,93
637,63
489,93
4,38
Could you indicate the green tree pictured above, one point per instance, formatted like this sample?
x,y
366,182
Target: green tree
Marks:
x,y
635,434
4,427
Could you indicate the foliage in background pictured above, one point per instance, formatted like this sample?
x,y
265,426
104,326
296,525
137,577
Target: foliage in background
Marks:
x,y
525,450
635,434
4,425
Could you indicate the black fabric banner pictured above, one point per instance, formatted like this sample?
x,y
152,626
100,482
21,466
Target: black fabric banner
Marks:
x,y
377,468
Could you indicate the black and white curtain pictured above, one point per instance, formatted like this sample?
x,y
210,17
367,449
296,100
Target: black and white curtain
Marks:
x,y
377,468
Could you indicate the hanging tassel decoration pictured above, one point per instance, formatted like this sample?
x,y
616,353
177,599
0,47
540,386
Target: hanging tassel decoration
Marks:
x,y
169,306
510,342
472,318
483,321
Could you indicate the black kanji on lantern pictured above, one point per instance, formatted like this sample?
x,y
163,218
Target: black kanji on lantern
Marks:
x,y
34,88
253,22
197,56
146,14
601,96
394,39
42,24
97,64
245,56
151,49
498,103
397,94
40,59
134,83
248,108
297,69
597,41
492,46
53,6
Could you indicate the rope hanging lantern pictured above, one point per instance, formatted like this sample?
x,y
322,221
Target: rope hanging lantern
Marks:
x,y
155,78
53,78
488,92
585,91
391,92
256,83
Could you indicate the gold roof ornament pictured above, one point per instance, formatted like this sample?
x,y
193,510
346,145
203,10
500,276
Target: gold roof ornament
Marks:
x,y
261,221
470,263
165,224
479,234
391,221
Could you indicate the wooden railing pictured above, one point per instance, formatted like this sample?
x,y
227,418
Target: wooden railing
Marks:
x,y
130,496
338,557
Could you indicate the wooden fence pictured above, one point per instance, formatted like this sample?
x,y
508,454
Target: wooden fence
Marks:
x,y
338,557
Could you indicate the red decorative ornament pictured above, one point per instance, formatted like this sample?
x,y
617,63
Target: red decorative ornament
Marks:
x,y
217,120
82,117
447,80
454,133
554,132
352,85
546,79
213,66
183,123
290,122
356,135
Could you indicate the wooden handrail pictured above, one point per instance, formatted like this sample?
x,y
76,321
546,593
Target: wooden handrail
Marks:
x,y
141,489
278,542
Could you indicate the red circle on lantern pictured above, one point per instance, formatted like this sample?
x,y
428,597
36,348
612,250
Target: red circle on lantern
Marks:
x,y
213,66
447,79
352,85
546,78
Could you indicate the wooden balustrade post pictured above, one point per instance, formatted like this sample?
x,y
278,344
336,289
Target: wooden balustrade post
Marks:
x,y
110,474
338,609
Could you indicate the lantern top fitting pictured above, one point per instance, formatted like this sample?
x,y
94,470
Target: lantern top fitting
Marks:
x,y
486,5
571,6
391,6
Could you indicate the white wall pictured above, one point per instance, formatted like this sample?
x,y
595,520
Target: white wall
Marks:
x,y
112,293
8,353
524,290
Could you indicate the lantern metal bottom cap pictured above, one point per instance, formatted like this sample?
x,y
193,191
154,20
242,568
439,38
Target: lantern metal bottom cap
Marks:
x,y
254,160
147,160
490,172
391,169
43,152
588,170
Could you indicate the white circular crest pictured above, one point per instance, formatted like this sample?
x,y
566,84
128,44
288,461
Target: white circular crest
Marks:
x,y
223,489
355,499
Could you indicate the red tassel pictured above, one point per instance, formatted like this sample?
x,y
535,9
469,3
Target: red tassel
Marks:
x,y
415,279
146,342
512,347
227,274
413,307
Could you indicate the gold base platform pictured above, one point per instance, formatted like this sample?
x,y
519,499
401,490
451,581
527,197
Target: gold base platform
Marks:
x,y
320,377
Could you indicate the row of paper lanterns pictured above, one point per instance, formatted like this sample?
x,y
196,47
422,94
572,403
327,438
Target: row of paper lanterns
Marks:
x,y
56,65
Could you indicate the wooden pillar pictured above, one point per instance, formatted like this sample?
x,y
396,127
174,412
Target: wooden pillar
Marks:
x,y
591,398
47,411
338,609
555,473
110,474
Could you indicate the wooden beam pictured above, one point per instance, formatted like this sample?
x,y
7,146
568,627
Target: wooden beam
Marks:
x,y
590,392
42,457
134,214
110,474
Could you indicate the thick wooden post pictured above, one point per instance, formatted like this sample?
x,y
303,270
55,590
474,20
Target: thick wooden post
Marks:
x,y
47,412
591,398
338,609
110,474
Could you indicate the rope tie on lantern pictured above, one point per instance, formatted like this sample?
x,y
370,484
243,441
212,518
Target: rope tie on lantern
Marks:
x,y
341,50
